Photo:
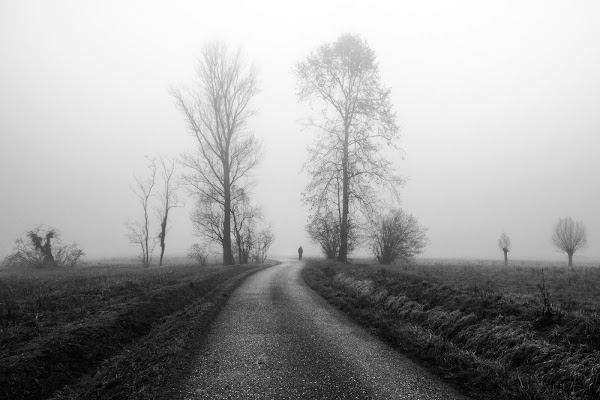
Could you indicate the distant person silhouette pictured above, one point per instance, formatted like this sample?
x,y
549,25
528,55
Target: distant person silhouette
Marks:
x,y
300,251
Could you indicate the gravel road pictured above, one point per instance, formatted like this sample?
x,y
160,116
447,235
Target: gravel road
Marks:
x,y
277,339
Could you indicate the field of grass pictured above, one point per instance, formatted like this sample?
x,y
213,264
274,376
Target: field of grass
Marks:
x,y
105,331
517,332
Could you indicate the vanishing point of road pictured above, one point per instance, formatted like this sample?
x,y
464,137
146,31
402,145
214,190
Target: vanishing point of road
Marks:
x,y
277,339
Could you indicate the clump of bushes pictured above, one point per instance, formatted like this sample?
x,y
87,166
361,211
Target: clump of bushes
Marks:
x,y
198,253
41,248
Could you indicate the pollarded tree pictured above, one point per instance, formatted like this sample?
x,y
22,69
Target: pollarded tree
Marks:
x,y
42,247
504,245
354,123
168,197
217,109
397,236
569,236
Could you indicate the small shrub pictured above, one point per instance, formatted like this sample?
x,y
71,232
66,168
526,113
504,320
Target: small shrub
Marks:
x,y
198,253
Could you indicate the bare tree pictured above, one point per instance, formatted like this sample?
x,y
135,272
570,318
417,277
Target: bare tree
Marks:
x,y
245,218
504,245
264,241
355,121
324,230
569,236
397,236
217,109
138,232
207,220
198,253
168,197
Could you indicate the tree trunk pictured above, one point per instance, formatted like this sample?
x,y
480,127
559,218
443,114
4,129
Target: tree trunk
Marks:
x,y
163,233
228,258
505,257
343,252
570,254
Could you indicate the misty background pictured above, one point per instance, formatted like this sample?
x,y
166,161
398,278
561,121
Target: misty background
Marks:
x,y
498,105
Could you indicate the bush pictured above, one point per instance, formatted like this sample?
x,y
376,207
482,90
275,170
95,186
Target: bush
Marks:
x,y
198,253
42,247
397,236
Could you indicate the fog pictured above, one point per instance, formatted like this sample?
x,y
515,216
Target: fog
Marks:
x,y
498,104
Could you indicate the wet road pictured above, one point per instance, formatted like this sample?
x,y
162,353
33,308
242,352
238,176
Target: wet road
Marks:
x,y
277,339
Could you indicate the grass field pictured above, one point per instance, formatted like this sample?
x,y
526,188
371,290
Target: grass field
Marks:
x,y
517,332
105,332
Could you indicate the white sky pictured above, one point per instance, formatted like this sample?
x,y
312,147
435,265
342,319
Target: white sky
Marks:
x,y
498,102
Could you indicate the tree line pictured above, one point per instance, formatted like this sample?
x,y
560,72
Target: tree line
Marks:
x,y
216,106
353,191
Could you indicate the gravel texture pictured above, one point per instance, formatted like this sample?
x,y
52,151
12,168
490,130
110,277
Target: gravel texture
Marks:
x,y
277,339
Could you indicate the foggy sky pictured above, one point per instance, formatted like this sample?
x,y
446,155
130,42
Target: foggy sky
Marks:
x,y
498,104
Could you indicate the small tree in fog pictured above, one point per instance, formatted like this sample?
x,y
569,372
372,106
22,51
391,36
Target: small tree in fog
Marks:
x,y
324,230
569,236
397,236
245,218
168,197
505,246
264,241
42,247
198,253
217,108
138,232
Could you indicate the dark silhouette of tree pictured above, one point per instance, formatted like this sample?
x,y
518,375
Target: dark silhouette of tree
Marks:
x,y
397,236
217,109
168,197
569,236
42,245
504,245
354,121
138,232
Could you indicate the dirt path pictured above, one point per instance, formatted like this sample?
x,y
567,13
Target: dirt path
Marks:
x,y
276,338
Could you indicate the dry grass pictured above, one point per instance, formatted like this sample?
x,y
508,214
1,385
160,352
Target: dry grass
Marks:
x,y
517,332
65,327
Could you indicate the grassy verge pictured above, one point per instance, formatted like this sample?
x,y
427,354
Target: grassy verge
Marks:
x,y
477,332
105,332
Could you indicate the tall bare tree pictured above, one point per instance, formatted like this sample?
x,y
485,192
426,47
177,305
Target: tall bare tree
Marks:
x,y
217,109
355,121
138,232
168,197
504,245
569,236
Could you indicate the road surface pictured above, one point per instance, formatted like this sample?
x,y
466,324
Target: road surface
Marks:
x,y
277,339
